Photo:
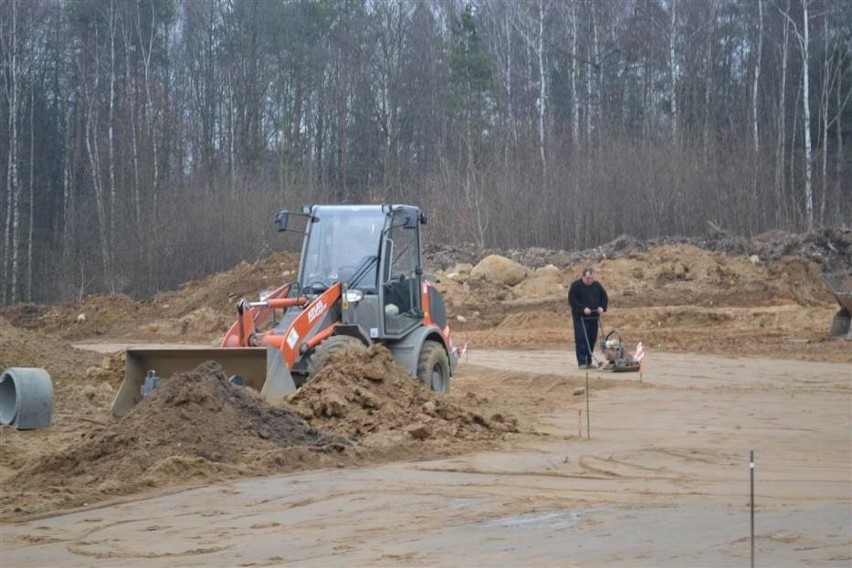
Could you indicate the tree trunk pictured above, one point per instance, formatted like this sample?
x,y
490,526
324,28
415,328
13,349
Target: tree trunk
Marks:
x,y
542,80
508,78
92,149
781,145
598,66
796,212
756,81
14,183
67,200
825,96
575,99
708,83
588,121
29,291
673,68
130,94
806,108
839,153
74,147
150,113
111,128
232,138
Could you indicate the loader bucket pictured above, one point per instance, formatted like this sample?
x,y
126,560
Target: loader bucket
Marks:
x,y
262,369
839,285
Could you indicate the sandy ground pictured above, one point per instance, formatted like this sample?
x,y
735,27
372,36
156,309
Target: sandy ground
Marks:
x,y
662,480
502,471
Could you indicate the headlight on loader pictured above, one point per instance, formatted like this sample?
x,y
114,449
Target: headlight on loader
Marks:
x,y
354,296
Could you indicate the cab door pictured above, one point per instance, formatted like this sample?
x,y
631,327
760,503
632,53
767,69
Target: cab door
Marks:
x,y
402,302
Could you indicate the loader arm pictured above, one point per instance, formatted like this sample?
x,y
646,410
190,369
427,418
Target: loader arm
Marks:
x,y
252,319
297,339
263,360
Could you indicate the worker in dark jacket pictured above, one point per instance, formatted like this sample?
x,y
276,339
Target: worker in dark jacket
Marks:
x,y
588,301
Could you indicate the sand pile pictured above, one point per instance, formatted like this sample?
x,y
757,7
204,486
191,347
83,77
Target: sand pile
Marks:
x,y
199,309
220,292
194,426
93,316
27,348
367,396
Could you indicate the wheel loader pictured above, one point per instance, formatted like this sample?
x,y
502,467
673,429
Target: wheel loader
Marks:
x,y
360,282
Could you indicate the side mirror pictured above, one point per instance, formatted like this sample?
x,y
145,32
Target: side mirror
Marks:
x,y
422,217
281,220
411,219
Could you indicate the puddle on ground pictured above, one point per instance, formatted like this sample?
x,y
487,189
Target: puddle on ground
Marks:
x,y
562,519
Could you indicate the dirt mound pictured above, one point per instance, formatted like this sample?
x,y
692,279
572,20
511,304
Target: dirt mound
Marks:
x,y
200,309
90,317
367,396
500,269
26,348
83,381
831,249
221,291
688,275
195,425
671,275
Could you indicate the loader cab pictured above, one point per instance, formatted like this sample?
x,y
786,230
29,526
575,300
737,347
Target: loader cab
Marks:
x,y
342,244
374,250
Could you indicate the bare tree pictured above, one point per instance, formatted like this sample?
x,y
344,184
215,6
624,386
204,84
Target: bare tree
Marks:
x,y
575,99
532,29
28,296
842,100
13,182
112,30
708,79
130,87
806,109
756,78
673,68
595,105
804,47
93,151
146,46
780,146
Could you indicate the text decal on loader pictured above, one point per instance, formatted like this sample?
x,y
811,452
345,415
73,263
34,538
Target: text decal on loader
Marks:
x,y
316,310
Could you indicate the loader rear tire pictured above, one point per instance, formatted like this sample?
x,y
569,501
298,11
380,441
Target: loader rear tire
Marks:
x,y
333,344
433,367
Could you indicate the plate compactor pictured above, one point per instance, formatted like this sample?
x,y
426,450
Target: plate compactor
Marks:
x,y
616,360
614,357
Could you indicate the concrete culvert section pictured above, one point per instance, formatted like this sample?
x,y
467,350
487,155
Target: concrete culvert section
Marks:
x,y
26,398
8,399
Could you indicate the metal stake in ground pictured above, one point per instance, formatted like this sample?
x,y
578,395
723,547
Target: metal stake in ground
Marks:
x,y
751,469
588,417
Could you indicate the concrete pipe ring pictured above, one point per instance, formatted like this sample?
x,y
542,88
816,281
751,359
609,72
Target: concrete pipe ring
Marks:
x,y
26,398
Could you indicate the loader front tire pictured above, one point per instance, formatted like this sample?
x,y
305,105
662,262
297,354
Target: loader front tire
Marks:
x,y
333,344
433,367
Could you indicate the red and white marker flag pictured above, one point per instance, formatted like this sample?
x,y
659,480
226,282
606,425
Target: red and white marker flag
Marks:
x,y
639,354
460,351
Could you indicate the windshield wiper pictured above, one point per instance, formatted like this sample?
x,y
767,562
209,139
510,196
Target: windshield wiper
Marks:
x,y
362,270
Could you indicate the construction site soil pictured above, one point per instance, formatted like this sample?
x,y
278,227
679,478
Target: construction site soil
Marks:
x,y
363,408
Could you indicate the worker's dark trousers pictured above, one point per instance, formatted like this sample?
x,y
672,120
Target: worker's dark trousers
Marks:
x,y
585,340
